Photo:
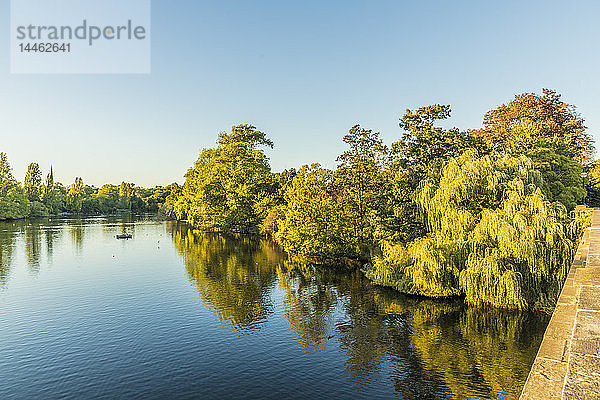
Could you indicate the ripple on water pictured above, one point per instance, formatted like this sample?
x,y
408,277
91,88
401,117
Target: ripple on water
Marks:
x,y
86,316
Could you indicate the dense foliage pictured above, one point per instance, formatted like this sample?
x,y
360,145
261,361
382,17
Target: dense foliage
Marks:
x,y
313,219
231,186
331,215
547,118
36,198
485,214
492,236
13,202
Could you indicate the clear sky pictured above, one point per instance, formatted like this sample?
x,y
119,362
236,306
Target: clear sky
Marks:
x,y
302,71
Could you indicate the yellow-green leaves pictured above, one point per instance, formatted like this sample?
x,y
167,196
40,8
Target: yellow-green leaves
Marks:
x,y
226,188
314,224
493,237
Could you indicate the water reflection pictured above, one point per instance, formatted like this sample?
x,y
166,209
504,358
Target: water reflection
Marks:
x,y
427,349
434,347
232,275
496,349
7,240
307,303
386,342
33,247
52,235
77,232
329,307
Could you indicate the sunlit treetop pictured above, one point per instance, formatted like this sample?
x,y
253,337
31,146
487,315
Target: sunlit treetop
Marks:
x,y
549,118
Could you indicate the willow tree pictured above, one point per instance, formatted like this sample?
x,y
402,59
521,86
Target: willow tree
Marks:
x,y
422,150
492,237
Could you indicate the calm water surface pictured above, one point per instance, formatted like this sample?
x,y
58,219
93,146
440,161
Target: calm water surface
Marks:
x,y
174,314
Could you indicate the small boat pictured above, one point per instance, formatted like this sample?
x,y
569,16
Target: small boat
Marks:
x,y
124,236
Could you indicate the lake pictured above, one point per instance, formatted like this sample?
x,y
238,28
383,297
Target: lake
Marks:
x,y
179,314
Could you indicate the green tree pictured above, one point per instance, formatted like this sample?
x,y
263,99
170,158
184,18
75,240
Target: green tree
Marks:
x,y
226,188
492,236
281,181
562,175
425,145
421,152
13,202
5,169
108,198
592,184
362,184
55,198
561,172
551,133
76,196
314,225
128,199
33,182
54,195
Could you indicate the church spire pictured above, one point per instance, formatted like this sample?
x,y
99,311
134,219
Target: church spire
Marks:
x,y
50,178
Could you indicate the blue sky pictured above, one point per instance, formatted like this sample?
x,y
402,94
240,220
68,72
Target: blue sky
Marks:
x,y
304,72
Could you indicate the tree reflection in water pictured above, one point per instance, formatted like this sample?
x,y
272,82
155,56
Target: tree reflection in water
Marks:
x,y
33,247
7,243
77,232
233,275
52,236
427,348
308,301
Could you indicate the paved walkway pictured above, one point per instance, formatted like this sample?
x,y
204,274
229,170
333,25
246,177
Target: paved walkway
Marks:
x,y
567,365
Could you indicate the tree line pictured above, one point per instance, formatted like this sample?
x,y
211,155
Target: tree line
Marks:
x,y
487,214
39,198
